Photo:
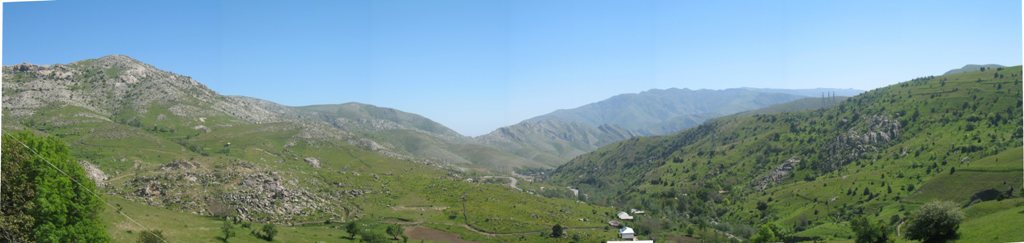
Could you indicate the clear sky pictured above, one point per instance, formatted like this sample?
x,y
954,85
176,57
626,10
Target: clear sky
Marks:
x,y
476,65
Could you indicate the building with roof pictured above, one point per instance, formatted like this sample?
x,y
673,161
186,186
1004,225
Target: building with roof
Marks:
x,y
626,233
624,216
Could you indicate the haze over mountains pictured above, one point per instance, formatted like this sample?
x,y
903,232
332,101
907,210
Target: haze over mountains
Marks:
x,y
560,135
123,90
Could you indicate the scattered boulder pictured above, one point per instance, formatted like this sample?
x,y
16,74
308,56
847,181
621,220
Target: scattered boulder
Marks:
x,y
313,162
94,173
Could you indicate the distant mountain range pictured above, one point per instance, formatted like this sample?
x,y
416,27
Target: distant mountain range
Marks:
x,y
558,136
123,90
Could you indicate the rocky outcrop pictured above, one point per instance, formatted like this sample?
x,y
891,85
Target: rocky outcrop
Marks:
x,y
266,193
777,175
94,173
875,133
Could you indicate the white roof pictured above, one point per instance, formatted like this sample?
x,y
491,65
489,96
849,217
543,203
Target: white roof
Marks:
x,y
624,215
631,241
626,230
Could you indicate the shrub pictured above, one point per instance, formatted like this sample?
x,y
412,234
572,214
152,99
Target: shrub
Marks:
x,y
151,236
935,222
267,232
868,232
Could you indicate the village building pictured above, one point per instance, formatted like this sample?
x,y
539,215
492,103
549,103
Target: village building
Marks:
x,y
626,233
624,216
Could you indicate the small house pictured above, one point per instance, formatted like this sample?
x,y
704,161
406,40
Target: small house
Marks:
x,y
624,216
626,233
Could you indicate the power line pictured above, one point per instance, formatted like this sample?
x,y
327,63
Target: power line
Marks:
x,y
36,153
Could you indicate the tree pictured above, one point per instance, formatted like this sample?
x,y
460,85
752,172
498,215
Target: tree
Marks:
x,y
868,232
935,222
766,233
46,195
352,228
761,206
267,232
394,231
151,236
557,231
227,230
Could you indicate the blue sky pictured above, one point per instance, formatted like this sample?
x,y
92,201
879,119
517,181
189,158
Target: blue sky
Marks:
x,y
476,65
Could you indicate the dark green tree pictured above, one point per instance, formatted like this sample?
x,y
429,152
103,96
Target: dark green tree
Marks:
x,y
46,195
395,231
868,232
935,222
557,231
352,228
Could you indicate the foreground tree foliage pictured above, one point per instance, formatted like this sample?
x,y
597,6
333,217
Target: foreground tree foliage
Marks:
x,y
935,222
868,232
40,202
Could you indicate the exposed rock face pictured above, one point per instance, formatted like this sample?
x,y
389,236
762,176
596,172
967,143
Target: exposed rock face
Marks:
x,y
94,173
777,175
878,131
251,193
266,193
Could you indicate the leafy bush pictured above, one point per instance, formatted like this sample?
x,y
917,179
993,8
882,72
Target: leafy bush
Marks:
x,y
935,222
266,233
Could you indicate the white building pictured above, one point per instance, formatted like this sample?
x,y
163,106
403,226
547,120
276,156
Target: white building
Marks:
x,y
624,216
626,233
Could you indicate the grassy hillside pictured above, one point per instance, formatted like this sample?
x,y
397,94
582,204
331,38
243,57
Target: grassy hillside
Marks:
x,y
879,154
197,157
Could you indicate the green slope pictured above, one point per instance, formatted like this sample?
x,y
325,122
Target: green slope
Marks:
x,y
179,157
817,169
